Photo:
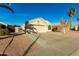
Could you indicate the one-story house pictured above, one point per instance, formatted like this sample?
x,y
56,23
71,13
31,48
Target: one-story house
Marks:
x,y
40,24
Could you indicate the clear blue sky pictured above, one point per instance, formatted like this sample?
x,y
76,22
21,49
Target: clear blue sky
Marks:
x,y
52,12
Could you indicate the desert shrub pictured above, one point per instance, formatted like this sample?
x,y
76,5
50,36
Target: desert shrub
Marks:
x,y
54,29
28,31
4,32
57,28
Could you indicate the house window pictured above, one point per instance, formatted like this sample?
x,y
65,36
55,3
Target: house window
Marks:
x,y
49,27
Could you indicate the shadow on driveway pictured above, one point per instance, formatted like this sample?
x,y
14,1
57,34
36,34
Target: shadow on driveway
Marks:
x,y
28,49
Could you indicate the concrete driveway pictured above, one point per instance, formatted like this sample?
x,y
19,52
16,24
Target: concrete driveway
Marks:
x,y
58,44
48,44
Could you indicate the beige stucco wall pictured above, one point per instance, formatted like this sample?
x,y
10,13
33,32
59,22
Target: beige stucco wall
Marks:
x,y
40,24
18,29
23,26
42,28
76,27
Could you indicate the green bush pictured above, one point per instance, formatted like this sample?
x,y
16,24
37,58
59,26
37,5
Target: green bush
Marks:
x,y
4,32
11,28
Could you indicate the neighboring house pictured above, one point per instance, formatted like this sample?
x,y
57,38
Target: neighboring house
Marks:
x,y
3,25
41,24
23,27
18,29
